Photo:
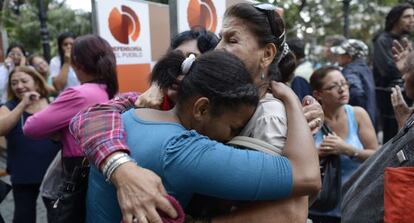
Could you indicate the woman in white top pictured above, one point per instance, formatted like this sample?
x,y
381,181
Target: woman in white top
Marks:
x,y
61,71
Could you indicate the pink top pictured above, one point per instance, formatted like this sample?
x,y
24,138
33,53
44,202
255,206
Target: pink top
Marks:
x,y
56,117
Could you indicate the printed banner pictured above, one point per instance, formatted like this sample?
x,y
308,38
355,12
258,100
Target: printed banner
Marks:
x,y
125,25
200,13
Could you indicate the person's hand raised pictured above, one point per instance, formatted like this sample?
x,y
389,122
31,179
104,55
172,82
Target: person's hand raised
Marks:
x,y
30,98
313,113
282,91
400,53
9,63
401,109
23,60
67,51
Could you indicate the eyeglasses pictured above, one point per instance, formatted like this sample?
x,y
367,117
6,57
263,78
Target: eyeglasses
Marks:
x,y
269,10
265,6
336,87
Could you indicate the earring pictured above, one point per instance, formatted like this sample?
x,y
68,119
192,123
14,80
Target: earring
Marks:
x,y
262,76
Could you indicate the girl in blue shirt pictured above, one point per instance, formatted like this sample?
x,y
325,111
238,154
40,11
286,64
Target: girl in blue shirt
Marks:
x,y
216,98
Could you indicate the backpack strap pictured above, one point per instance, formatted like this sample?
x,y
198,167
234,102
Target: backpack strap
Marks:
x,y
255,144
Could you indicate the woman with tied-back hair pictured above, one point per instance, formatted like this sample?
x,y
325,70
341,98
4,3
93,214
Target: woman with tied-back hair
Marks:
x,y
95,66
194,41
353,136
27,159
216,98
256,35
62,72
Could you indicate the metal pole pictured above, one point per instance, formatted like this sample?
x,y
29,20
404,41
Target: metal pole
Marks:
x,y
173,17
44,33
346,9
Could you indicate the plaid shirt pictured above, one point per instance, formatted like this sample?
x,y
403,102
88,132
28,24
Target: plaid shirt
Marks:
x,y
99,129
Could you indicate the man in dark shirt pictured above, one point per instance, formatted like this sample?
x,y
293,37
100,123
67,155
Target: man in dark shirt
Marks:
x,y
364,193
399,22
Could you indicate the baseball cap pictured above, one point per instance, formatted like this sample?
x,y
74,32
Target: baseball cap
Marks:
x,y
353,47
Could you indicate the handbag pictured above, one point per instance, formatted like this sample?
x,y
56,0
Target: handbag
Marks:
x,y
330,194
4,190
70,206
398,194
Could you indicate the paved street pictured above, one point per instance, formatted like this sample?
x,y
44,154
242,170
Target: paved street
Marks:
x,y
7,206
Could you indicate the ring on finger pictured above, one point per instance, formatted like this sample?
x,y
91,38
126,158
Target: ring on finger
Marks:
x,y
134,219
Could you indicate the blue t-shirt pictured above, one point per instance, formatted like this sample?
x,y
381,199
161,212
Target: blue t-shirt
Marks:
x,y
189,163
348,165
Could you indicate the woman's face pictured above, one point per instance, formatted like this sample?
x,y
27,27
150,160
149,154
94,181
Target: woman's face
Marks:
x,y
228,124
16,54
237,39
22,82
335,89
67,44
41,65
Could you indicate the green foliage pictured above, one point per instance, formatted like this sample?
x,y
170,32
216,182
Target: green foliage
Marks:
x,y
321,18
24,27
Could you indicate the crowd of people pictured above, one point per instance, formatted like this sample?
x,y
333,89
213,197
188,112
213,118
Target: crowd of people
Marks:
x,y
240,127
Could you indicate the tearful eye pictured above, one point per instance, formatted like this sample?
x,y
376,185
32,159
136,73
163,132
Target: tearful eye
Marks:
x,y
233,41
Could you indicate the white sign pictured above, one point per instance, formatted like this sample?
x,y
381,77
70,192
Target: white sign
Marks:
x,y
125,25
200,13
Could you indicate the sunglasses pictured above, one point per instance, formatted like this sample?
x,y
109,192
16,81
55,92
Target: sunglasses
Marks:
x,y
269,10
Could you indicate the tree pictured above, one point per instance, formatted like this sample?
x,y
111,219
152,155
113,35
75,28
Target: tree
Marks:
x,y
20,20
313,20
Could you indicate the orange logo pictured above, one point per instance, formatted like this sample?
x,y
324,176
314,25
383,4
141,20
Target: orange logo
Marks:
x,y
124,25
202,13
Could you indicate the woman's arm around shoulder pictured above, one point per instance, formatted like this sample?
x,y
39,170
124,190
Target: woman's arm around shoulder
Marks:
x,y
199,165
300,147
99,129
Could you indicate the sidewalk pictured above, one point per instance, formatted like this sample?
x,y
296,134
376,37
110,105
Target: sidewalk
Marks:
x,y
7,206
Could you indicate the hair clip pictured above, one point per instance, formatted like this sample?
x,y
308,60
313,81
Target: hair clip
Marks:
x,y
187,63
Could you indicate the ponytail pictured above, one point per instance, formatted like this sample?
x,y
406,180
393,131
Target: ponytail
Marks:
x,y
93,55
106,70
285,67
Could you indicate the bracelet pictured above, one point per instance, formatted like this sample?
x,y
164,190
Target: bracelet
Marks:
x,y
111,161
117,164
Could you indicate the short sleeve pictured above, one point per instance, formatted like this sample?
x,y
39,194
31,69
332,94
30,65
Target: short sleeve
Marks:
x,y
273,130
54,67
